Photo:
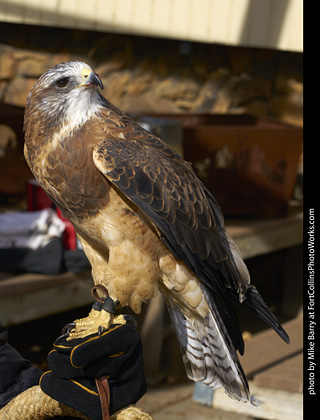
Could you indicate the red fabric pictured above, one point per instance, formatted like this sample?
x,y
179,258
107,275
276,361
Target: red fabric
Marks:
x,y
38,200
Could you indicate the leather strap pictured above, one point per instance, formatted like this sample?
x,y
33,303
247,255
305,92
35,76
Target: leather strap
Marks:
x,y
108,304
102,289
104,394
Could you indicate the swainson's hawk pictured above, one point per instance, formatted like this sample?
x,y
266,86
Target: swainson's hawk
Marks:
x,y
144,219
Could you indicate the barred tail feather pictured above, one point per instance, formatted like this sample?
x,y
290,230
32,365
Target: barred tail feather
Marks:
x,y
209,355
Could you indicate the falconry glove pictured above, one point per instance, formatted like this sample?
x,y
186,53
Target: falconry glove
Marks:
x,y
99,374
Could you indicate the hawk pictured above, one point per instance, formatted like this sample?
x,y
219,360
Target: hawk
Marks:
x,y
144,220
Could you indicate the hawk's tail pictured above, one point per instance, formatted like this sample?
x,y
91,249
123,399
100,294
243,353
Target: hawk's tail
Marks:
x,y
208,353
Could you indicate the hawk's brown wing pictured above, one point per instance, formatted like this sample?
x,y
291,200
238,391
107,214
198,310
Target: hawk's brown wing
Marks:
x,y
165,188
155,178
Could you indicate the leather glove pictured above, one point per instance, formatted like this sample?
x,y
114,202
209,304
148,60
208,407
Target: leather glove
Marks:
x,y
99,374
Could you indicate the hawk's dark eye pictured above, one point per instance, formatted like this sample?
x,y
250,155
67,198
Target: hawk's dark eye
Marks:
x,y
63,82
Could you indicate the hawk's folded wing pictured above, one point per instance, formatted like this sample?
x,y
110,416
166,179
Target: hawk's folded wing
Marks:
x,y
166,189
156,179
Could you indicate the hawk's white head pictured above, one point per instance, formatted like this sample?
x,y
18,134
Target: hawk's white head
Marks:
x,y
67,93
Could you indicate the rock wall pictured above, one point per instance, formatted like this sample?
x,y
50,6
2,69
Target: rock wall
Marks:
x,y
148,75
157,75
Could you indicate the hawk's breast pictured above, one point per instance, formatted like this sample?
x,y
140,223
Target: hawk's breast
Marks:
x,y
65,169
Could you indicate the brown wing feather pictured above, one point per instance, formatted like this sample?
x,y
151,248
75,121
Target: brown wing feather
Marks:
x,y
165,188
155,178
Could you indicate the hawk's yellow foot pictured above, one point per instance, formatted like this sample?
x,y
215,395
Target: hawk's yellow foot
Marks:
x,y
100,318
96,321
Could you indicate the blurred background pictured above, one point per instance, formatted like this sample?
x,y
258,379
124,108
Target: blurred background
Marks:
x,y
222,82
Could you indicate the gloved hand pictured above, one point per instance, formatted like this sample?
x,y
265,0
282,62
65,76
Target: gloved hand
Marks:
x,y
90,373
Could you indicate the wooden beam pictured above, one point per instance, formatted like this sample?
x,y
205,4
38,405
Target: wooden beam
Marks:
x,y
276,404
265,349
287,375
33,296
259,237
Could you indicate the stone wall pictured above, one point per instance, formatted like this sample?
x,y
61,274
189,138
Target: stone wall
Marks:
x,y
146,74
151,75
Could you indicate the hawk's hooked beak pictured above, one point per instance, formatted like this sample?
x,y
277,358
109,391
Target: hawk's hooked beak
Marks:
x,y
91,78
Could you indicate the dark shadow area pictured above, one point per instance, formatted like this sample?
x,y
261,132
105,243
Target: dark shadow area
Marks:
x,y
276,19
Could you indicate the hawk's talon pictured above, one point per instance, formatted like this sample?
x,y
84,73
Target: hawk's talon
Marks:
x,y
68,327
65,332
95,322
131,320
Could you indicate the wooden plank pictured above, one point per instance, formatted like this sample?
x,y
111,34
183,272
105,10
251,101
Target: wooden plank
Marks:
x,y
26,283
287,375
265,349
162,397
263,236
43,301
276,404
